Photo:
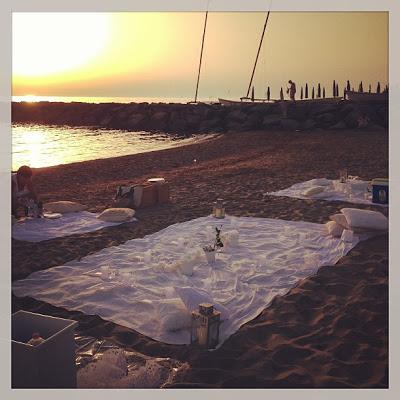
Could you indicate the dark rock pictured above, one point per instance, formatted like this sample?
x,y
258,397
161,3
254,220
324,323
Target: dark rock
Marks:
x,y
324,109
237,115
309,124
177,125
105,120
136,120
352,119
345,109
289,124
326,118
272,121
338,126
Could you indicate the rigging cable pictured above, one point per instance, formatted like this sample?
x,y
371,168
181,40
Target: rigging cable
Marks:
x,y
201,54
258,53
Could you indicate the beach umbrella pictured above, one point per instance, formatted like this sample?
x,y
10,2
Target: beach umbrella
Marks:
x,y
281,94
268,94
360,88
306,92
378,88
323,92
334,88
301,93
319,90
252,93
348,86
313,93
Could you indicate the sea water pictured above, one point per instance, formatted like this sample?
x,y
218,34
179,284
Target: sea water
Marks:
x,y
45,146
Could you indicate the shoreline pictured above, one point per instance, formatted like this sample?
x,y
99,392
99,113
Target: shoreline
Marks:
x,y
330,330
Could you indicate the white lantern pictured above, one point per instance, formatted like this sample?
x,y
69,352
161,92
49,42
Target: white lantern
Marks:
x,y
219,209
205,326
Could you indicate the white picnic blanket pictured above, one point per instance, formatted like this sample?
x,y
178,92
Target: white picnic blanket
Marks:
x,y
354,191
139,284
39,229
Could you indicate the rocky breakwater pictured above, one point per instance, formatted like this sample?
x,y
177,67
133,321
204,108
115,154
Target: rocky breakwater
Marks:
x,y
184,119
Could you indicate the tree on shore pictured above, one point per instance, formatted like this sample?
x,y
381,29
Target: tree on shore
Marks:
x,y
306,91
319,91
348,85
313,93
378,88
334,88
360,87
323,92
369,88
268,93
281,94
301,93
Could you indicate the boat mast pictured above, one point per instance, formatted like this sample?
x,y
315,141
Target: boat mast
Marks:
x,y
201,56
258,53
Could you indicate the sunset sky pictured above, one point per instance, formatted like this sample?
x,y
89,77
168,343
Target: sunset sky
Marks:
x,y
156,54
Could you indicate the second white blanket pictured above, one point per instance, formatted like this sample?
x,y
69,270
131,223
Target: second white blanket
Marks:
x,y
39,229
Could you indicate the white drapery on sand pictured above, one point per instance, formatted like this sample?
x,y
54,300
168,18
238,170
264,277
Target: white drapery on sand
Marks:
x,y
332,190
39,229
136,284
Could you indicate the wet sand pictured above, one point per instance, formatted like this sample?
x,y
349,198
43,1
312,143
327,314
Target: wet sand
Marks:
x,y
331,330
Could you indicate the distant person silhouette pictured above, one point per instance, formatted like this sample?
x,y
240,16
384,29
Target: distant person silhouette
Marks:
x,y
291,90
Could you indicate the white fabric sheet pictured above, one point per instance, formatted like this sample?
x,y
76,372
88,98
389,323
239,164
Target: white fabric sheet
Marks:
x,y
352,192
129,284
39,229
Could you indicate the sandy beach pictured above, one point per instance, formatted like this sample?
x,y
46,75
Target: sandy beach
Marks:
x,y
330,330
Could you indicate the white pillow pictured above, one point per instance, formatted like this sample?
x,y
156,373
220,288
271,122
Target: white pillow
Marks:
x,y
334,229
320,182
340,219
117,214
365,219
313,190
173,315
64,207
192,297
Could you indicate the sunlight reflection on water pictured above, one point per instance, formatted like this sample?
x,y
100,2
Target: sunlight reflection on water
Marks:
x,y
44,146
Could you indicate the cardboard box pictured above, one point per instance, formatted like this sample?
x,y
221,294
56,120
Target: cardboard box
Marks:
x,y
149,196
163,192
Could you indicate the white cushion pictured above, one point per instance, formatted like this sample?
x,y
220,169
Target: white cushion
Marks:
x,y
173,315
313,190
117,214
320,182
334,229
365,219
340,219
192,297
64,207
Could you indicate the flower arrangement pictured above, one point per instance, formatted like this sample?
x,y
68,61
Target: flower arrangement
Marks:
x,y
217,243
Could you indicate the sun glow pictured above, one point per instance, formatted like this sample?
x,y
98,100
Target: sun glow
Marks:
x,y
51,43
